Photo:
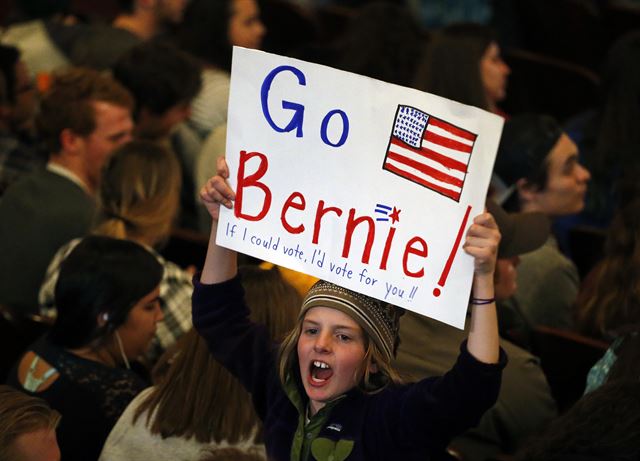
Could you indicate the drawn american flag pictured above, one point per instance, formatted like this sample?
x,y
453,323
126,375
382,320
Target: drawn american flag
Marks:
x,y
429,151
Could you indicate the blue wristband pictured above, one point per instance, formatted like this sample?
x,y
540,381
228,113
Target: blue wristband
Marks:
x,y
482,301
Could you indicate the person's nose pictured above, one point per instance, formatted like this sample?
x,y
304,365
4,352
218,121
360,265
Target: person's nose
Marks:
x,y
159,313
262,29
127,138
507,69
323,343
583,173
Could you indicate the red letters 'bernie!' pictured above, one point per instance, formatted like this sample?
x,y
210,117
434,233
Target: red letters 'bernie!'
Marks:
x,y
416,246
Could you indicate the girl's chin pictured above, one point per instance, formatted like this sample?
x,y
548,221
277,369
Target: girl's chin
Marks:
x,y
317,396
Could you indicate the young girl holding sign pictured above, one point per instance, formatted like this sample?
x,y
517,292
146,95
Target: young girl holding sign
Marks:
x,y
330,392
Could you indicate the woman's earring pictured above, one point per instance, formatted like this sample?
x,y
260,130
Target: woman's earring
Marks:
x,y
103,319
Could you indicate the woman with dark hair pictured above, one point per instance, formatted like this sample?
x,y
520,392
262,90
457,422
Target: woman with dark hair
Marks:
x,y
209,31
463,63
198,404
107,300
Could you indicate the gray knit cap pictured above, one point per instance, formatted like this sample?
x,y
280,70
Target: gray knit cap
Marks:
x,y
380,320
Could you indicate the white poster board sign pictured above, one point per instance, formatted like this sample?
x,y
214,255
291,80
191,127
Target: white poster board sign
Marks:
x,y
366,184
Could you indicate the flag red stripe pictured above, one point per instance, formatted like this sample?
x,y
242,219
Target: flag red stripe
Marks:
x,y
447,192
435,174
445,161
447,142
452,129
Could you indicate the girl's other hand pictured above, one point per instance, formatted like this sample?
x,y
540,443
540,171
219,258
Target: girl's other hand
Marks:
x,y
482,242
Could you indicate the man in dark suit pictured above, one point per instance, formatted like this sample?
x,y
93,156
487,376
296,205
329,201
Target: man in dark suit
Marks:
x,y
83,118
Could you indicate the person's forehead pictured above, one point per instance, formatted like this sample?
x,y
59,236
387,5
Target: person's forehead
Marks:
x,y
244,7
151,296
40,445
492,49
322,314
111,116
563,151
106,108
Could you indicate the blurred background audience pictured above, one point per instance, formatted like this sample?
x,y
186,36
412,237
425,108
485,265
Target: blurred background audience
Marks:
x,y
79,80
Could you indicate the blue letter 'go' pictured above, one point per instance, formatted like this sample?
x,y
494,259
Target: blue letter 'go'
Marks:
x,y
297,119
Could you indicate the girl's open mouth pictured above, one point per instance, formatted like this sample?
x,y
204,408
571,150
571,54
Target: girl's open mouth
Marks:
x,y
319,372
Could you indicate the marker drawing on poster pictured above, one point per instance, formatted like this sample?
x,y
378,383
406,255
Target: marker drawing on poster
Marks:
x,y
366,184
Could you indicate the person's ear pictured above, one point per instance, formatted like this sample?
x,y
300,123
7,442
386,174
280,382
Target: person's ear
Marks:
x,y
373,368
71,142
527,192
103,319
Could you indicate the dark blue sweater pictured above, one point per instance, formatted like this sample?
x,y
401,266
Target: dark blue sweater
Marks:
x,y
405,422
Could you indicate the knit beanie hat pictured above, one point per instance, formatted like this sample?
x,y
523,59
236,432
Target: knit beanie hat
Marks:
x,y
380,320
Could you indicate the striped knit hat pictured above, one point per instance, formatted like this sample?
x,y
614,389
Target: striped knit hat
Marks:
x,y
380,320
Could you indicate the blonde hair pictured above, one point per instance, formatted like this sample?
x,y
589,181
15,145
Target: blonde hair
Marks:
x,y
198,397
369,382
20,414
139,193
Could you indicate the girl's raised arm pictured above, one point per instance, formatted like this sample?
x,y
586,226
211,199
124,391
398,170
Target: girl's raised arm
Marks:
x,y
482,242
221,264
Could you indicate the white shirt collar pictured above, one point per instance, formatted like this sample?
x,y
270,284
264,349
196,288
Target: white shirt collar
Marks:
x,y
70,175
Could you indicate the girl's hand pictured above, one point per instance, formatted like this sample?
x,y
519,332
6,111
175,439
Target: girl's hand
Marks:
x,y
482,242
216,191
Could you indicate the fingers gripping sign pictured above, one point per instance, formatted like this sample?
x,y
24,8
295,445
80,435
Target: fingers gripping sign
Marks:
x,y
217,191
482,242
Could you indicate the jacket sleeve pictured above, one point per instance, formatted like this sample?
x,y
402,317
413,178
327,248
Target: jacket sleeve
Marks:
x,y
434,410
221,317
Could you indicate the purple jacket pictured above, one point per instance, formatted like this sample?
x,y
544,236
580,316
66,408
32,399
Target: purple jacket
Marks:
x,y
406,422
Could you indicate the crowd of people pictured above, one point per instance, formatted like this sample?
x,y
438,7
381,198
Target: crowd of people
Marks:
x,y
112,136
